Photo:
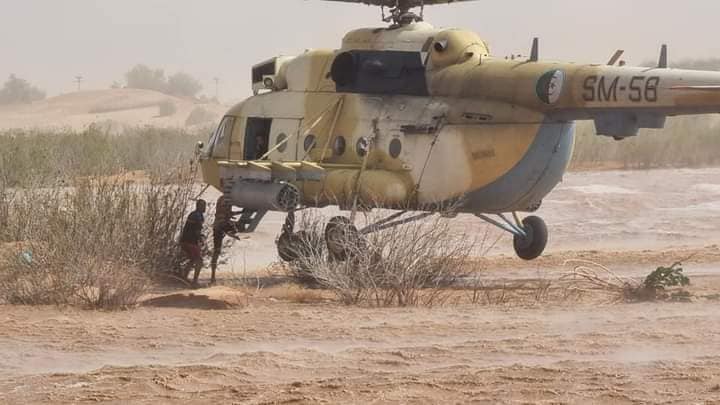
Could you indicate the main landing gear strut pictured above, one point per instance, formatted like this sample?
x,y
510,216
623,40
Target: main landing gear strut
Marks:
x,y
342,237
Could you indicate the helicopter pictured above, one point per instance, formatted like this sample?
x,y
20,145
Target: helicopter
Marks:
x,y
411,118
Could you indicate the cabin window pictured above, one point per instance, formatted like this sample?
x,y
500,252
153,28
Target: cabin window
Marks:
x,y
309,142
257,137
281,142
339,146
362,147
395,148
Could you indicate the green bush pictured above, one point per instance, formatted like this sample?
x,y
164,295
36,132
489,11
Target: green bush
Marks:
x,y
664,277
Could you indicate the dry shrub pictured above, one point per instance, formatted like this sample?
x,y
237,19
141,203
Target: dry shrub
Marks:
x,y
592,277
96,243
408,265
523,292
7,195
110,285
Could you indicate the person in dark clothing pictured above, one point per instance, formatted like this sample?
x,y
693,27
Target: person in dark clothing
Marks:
x,y
222,226
191,240
261,147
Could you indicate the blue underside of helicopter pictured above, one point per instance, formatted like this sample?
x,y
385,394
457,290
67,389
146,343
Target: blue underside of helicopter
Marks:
x,y
538,172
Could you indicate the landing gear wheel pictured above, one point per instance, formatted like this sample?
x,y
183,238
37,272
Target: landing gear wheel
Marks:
x,y
531,246
341,237
292,246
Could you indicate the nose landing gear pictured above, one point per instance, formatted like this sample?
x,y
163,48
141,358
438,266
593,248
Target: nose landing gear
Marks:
x,y
532,245
530,236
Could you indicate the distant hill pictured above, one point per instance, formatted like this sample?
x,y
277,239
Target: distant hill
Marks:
x,y
114,109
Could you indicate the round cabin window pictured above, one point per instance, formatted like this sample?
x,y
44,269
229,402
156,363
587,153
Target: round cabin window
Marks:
x,y
395,148
281,143
362,147
309,142
339,146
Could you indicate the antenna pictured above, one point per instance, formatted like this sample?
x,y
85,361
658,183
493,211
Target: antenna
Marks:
x,y
79,79
535,51
616,57
663,63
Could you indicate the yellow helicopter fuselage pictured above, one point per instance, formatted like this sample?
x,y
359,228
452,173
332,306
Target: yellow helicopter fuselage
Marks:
x,y
415,117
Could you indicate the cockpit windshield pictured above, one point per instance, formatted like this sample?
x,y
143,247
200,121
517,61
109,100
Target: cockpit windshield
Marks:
x,y
218,145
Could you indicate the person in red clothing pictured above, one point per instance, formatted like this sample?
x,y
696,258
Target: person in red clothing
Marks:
x,y
191,240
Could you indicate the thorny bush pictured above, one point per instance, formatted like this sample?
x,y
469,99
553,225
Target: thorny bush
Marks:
x,y
408,265
96,242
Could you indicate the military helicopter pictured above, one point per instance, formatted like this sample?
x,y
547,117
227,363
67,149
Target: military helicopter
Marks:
x,y
412,118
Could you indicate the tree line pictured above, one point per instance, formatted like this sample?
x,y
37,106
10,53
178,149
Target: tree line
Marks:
x,y
17,90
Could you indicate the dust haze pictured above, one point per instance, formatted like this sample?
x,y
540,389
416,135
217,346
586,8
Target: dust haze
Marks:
x,y
83,319
50,42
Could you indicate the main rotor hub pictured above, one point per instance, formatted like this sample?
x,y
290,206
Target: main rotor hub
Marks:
x,y
400,13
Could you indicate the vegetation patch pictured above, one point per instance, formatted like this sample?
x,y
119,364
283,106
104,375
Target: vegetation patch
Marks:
x,y
19,91
409,265
95,243
685,142
663,284
41,158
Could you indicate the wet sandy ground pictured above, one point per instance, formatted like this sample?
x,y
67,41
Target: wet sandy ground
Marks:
x,y
224,345
275,352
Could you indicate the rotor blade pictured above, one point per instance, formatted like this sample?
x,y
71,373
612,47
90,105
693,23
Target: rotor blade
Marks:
x,y
393,3
697,88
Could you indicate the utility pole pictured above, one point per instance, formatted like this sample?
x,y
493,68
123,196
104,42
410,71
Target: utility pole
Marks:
x,y
79,80
217,89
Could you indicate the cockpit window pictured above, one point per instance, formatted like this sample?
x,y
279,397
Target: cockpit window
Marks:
x,y
219,144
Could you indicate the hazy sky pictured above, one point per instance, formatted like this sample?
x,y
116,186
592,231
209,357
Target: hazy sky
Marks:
x,y
50,41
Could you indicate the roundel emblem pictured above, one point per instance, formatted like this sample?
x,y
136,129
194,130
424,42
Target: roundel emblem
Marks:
x,y
550,86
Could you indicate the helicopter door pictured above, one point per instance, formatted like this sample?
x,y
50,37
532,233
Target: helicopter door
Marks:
x,y
257,137
284,131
